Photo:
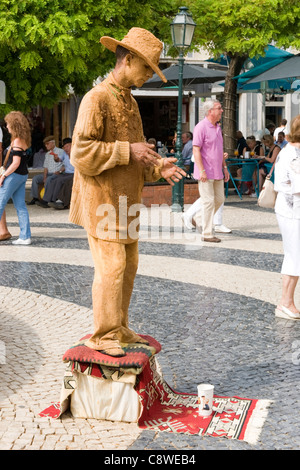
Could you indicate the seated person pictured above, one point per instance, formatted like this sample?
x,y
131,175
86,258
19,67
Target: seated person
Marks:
x,y
281,140
274,150
39,159
255,149
52,167
152,141
66,172
173,148
187,152
64,195
241,142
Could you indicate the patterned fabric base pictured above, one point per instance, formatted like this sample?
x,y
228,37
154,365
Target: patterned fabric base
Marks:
x,y
163,409
136,358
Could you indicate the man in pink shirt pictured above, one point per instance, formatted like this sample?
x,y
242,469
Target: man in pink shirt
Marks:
x,y
210,168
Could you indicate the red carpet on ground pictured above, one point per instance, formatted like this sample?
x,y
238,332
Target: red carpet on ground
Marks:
x,y
163,409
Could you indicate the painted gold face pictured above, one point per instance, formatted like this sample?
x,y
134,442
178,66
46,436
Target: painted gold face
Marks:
x,y
138,71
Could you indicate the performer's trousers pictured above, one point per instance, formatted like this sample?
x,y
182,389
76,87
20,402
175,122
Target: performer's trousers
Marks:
x,y
115,270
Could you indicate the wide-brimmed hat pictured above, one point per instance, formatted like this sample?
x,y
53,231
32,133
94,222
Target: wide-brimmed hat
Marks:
x,y
141,42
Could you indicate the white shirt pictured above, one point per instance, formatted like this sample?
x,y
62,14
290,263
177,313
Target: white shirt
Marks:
x,y
279,129
287,182
50,163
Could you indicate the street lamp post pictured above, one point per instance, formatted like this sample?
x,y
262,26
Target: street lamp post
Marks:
x,y
182,31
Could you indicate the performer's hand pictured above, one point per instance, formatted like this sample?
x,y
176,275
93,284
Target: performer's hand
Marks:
x,y
144,154
171,172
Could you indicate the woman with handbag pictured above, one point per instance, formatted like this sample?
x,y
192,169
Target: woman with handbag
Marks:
x,y
15,174
287,209
274,150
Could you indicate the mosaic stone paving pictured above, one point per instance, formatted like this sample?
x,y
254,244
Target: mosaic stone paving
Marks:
x,y
216,325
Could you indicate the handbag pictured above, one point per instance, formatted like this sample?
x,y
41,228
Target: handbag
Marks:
x,y
267,197
3,167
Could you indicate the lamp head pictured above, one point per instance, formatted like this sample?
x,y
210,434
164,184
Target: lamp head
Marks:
x,y
182,29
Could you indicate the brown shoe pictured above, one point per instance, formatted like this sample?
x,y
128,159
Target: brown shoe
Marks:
x,y
212,240
129,336
114,352
5,236
113,348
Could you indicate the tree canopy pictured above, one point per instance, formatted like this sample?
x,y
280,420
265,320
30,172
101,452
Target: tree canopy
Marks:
x,y
47,45
245,26
242,29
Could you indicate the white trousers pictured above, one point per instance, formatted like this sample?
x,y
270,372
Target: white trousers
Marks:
x,y
197,207
290,231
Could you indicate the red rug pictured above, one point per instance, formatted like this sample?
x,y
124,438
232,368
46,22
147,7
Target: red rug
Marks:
x,y
163,409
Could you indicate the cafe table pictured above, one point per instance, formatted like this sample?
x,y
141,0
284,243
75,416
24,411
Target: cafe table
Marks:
x,y
248,165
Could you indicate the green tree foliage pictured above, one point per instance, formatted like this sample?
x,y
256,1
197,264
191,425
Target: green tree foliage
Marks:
x,y
242,29
48,45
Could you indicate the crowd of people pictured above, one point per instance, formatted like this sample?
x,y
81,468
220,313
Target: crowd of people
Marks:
x,y
265,146
275,149
203,149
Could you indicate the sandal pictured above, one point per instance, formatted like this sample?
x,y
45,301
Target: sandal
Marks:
x,y
284,312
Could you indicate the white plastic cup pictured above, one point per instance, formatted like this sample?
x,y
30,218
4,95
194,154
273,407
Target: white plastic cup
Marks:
x,y
247,154
205,399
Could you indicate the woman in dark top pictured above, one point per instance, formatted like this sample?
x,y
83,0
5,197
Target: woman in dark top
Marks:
x,y
12,182
274,150
253,147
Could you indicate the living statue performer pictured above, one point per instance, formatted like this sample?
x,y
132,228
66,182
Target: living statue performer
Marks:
x,y
112,161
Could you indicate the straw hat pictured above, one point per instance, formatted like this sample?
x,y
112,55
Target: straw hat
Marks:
x,y
141,42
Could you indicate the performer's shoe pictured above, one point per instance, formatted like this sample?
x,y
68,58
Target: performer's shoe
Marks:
x,y
129,336
142,341
113,348
114,352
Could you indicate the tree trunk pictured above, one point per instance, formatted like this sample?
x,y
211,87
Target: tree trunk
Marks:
x,y
230,103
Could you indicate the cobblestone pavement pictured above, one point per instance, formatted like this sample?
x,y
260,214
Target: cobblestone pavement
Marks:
x,y
210,306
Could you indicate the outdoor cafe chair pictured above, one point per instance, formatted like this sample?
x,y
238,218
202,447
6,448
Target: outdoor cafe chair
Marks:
x,y
248,169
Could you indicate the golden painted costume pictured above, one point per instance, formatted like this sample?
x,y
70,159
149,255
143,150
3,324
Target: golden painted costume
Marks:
x,y
108,121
